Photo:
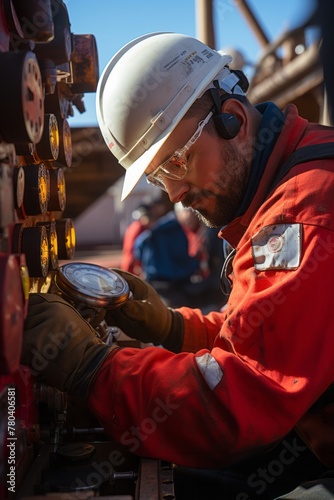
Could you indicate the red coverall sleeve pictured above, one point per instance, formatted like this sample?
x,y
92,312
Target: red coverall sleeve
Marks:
x,y
158,404
215,407
200,331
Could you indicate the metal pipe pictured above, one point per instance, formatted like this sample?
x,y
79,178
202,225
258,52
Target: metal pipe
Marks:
x,y
305,64
204,22
273,46
252,21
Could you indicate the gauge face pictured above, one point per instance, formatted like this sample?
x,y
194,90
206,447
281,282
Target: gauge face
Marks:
x,y
35,246
32,98
43,187
67,143
53,242
66,238
61,190
80,280
44,252
54,136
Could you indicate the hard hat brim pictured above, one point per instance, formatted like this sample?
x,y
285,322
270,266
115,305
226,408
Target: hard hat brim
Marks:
x,y
137,169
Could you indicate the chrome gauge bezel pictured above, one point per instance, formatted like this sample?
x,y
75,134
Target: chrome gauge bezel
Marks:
x,y
93,285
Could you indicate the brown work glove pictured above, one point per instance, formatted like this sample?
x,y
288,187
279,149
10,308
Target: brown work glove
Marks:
x,y
146,318
60,345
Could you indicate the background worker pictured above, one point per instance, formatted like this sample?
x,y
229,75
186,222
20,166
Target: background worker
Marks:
x,y
163,251
204,290
232,391
146,214
140,221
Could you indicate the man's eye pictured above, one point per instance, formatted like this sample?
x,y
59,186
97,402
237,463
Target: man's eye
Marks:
x,y
178,161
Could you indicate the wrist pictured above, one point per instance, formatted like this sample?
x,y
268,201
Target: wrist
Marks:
x,y
174,340
86,376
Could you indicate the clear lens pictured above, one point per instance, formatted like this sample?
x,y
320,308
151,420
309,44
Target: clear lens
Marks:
x,y
175,167
158,182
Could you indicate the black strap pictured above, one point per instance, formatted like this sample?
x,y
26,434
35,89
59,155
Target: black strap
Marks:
x,y
225,282
302,155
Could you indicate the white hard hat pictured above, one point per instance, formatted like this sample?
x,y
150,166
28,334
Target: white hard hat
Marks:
x,y
146,89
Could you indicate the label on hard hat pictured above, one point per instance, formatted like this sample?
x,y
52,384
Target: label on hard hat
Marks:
x,y
189,60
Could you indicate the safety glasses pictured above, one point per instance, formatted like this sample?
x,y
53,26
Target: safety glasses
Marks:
x,y
175,167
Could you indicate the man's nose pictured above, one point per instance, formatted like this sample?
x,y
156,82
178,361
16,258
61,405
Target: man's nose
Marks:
x,y
176,189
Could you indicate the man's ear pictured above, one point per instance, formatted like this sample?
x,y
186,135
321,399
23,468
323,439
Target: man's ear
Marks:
x,y
227,125
239,111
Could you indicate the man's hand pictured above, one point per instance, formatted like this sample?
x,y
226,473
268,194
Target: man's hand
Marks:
x,y
145,317
60,345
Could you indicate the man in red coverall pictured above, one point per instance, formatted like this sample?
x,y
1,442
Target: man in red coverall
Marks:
x,y
232,392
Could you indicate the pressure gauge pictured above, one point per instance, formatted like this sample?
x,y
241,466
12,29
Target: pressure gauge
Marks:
x,y
54,136
65,143
44,188
48,146
66,238
92,285
35,246
51,233
57,201
18,186
21,97
36,189
53,245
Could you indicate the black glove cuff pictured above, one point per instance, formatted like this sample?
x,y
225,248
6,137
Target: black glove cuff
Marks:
x,y
174,340
85,376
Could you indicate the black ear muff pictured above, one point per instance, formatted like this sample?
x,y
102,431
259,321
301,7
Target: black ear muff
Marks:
x,y
227,125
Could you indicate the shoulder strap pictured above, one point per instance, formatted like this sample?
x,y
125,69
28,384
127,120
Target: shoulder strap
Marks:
x,y
302,155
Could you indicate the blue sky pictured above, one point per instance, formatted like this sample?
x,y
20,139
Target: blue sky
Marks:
x,y
114,23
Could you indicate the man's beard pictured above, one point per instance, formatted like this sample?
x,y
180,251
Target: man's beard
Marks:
x,y
227,192
221,216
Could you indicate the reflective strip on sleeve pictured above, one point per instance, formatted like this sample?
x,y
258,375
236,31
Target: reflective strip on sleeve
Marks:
x,y
210,370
